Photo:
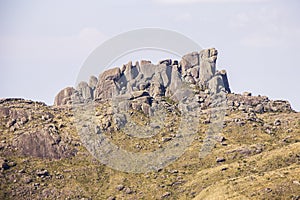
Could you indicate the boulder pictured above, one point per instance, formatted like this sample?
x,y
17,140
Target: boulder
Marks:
x,y
110,74
208,59
145,62
85,91
42,144
93,82
223,75
64,96
191,59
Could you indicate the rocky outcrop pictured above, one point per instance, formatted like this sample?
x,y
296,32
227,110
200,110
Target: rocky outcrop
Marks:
x,y
163,79
257,104
44,143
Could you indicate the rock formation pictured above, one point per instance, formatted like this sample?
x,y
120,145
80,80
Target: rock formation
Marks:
x,y
148,81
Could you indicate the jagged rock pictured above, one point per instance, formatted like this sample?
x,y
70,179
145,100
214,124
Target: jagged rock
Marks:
x,y
93,82
106,84
64,96
194,72
166,62
156,89
190,79
85,91
223,75
208,59
145,62
130,72
119,120
146,108
136,106
188,61
138,94
110,74
104,90
175,82
259,108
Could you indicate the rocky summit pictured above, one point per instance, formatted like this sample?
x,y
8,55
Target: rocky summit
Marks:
x,y
202,140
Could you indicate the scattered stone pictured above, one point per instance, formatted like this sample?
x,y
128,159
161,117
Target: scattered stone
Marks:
x,y
277,122
42,172
128,190
166,139
4,164
220,159
120,187
296,182
165,195
268,190
259,108
224,168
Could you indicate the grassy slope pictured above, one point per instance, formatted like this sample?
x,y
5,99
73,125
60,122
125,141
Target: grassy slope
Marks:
x,y
270,169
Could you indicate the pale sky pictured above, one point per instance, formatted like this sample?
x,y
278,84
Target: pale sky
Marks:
x,y
43,44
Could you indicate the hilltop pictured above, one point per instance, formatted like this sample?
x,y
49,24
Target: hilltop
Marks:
x,y
241,146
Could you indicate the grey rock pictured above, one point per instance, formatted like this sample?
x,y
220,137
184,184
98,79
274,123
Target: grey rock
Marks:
x,y
166,139
128,190
42,144
277,122
220,159
191,59
120,187
223,75
259,108
64,96
85,91
93,82
208,59
110,74
165,195
42,172
4,164
119,120
138,94
146,108
189,79
145,62
136,106
166,62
